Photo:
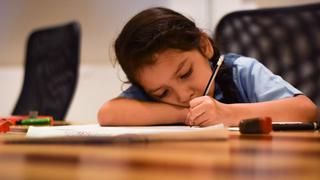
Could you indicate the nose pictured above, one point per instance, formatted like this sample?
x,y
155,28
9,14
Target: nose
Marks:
x,y
184,94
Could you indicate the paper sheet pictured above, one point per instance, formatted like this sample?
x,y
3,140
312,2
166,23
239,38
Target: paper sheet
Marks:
x,y
96,130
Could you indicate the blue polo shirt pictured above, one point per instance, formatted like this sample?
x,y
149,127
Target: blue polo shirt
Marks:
x,y
254,81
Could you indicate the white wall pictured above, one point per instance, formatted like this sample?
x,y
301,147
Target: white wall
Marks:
x,y
101,21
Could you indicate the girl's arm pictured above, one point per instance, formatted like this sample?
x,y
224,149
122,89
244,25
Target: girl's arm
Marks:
x,y
299,108
206,111
122,111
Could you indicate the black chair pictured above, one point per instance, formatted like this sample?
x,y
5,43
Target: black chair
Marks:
x,y
51,71
286,40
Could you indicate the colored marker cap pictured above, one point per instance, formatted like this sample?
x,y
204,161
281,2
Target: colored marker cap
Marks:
x,y
261,125
34,121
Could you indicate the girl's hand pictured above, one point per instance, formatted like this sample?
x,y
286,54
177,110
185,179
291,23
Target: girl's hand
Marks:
x,y
206,111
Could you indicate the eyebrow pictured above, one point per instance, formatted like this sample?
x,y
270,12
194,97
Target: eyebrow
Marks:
x,y
174,74
180,66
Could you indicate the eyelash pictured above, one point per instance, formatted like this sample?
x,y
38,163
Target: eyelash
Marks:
x,y
163,94
186,75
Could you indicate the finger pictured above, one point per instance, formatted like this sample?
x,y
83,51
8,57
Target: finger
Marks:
x,y
205,120
187,120
196,111
196,101
198,115
200,121
205,123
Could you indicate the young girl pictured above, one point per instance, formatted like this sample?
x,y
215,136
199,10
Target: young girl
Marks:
x,y
169,61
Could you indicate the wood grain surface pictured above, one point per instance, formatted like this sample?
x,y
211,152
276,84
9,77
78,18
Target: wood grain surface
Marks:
x,y
279,155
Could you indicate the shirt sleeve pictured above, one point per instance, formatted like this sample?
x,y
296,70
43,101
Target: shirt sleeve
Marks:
x,y
135,92
257,83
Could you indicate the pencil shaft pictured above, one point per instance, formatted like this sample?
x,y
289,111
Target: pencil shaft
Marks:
x,y
213,76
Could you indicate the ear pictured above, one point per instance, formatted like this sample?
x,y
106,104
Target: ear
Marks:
x,y
206,46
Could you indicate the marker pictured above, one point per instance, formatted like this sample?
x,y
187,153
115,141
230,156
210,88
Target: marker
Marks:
x,y
294,126
213,75
259,125
264,125
4,125
34,121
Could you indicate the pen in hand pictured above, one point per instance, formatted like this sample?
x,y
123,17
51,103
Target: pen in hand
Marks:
x,y
212,77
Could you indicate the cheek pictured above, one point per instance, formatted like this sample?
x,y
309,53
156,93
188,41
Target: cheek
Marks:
x,y
200,80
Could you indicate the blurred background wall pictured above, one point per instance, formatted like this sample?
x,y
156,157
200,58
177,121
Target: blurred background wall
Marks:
x,y
101,21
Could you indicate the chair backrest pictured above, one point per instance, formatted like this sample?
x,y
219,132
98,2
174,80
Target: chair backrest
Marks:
x,y
51,71
286,40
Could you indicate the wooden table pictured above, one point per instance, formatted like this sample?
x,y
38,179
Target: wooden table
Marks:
x,y
279,155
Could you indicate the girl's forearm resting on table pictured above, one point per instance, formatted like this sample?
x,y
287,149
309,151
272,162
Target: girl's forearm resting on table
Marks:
x,y
299,108
122,111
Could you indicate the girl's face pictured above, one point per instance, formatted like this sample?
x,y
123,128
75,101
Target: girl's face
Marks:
x,y
177,76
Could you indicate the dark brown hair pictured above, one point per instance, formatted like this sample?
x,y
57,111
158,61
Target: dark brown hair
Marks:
x,y
153,31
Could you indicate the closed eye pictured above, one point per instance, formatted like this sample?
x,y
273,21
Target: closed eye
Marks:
x,y
187,74
164,94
